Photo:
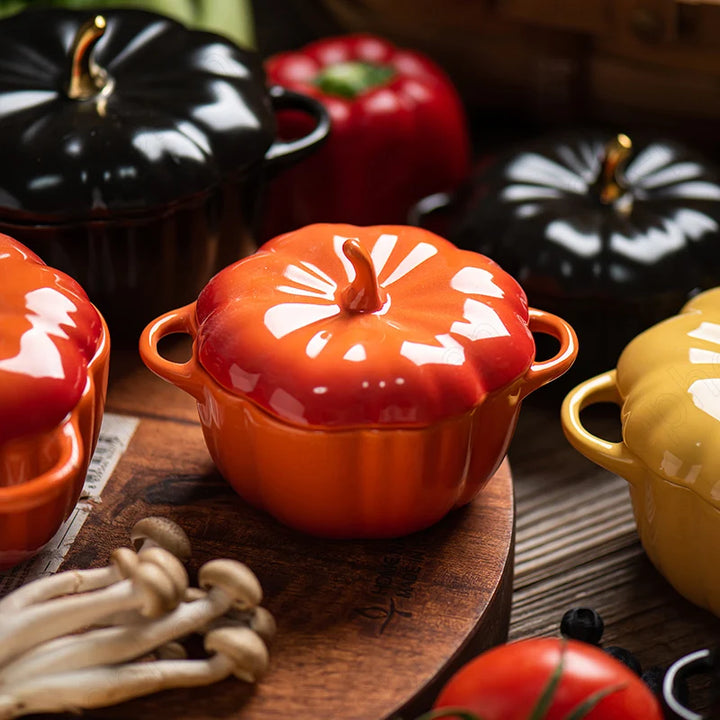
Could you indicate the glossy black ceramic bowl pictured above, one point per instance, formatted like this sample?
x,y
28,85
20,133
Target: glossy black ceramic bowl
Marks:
x,y
614,235
135,152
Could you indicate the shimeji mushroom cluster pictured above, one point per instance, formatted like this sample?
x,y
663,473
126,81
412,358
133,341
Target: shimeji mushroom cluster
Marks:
x,y
91,638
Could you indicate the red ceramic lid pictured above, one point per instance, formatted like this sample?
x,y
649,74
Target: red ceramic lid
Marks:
x,y
49,332
337,325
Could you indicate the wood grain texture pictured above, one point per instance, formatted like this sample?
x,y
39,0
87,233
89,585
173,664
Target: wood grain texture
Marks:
x,y
366,629
577,546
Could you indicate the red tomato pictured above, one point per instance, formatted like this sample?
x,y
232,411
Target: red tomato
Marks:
x,y
507,682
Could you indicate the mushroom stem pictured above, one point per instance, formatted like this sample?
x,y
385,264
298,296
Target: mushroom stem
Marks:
x,y
87,78
52,586
616,154
363,294
147,533
119,644
259,620
156,585
237,651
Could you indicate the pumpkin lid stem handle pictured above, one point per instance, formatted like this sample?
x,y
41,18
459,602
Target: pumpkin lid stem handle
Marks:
x,y
87,78
616,154
364,293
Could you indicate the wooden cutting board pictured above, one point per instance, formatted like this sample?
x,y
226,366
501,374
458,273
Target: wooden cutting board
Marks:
x,y
366,629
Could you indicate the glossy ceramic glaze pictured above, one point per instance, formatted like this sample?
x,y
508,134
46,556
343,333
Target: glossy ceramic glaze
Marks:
x,y
613,232
176,111
54,352
667,384
359,382
136,144
399,132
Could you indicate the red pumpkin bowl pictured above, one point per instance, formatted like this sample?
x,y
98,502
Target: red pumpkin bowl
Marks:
x,y
54,353
359,381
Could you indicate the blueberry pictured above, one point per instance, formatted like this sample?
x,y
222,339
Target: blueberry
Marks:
x,y
582,624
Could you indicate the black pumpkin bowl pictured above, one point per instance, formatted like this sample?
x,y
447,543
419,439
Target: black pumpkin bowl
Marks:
x,y
134,151
613,235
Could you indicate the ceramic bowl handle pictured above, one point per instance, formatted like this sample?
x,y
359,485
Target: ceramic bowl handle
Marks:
x,y
71,455
188,376
613,456
541,373
32,492
286,152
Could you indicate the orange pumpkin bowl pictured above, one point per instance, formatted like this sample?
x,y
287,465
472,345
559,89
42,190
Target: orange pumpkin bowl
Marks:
x,y
359,382
54,358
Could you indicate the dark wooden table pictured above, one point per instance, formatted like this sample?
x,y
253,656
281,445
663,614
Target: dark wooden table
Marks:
x,y
577,546
367,629
576,543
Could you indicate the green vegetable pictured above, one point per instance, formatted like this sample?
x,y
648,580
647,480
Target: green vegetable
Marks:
x,y
231,18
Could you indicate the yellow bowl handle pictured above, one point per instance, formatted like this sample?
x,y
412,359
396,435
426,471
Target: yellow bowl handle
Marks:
x,y
188,376
613,456
541,373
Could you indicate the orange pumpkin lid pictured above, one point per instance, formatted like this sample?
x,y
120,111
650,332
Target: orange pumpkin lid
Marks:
x,y
49,332
337,325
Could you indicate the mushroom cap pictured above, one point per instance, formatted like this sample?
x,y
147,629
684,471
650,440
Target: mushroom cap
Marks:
x,y
171,651
125,560
263,623
258,619
170,564
165,533
159,586
234,578
243,647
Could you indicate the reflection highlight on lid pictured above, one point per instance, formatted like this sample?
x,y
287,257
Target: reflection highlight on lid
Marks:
x,y
38,357
355,354
316,343
448,352
283,319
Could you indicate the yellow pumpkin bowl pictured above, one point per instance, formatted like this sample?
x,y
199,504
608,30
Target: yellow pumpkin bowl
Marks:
x,y
667,384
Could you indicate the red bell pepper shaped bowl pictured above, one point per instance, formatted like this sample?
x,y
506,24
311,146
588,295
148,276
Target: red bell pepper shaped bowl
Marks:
x,y
399,132
54,357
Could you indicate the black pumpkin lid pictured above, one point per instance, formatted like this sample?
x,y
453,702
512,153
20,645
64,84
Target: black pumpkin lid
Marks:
x,y
588,214
170,112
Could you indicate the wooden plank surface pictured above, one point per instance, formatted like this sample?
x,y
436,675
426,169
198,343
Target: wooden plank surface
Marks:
x,y
366,629
577,546
576,542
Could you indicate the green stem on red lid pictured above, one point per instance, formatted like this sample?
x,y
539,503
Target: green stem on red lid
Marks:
x,y
87,78
350,79
616,154
363,294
